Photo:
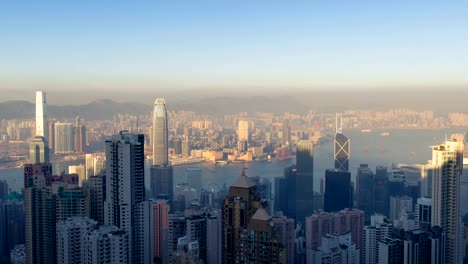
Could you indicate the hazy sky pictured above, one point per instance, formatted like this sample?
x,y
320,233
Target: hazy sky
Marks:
x,y
236,44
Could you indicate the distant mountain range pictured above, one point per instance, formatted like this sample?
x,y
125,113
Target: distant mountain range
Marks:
x,y
106,109
441,102
97,110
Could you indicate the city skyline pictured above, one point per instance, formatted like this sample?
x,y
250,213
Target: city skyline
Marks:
x,y
209,132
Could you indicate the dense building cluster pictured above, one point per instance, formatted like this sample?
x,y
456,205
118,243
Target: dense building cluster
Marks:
x,y
100,212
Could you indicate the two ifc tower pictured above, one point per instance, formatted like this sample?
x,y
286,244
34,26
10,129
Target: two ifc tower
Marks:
x,y
161,173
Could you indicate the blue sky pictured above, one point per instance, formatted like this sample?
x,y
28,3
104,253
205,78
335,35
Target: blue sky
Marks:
x,y
236,44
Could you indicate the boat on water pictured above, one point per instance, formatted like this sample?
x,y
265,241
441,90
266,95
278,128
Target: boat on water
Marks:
x,y
366,131
385,134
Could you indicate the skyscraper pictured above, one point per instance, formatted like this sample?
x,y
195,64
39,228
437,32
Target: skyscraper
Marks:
x,y
447,162
305,157
341,146
160,222
11,225
381,194
300,181
373,234
64,138
258,243
108,244
39,150
79,136
162,182
41,115
243,130
40,222
95,196
70,239
286,132
213,235
337,190
125,188
160,133
51,137
322,223
283,230
365,190
238,207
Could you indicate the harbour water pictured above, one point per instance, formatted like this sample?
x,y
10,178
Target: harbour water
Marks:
x,y
400,146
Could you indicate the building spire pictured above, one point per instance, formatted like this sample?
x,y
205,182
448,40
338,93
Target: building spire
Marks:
x,y
339,123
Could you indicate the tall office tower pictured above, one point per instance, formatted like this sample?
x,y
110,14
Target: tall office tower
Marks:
x,y
213,236
108,244
196,231
125,185
39,150
336,248
447,160
177,229
341,146
423,211
381,196
64,138
80,170
305,157
321,224
79,136
3,190
391,251
11,225
70,239
337,190
41,115
69,202
281,195
243,130
194,178
400,205
51,137
365,190
160,133
162,182
258,243
239,206
373,234
283,230
286,132
95,197
301,180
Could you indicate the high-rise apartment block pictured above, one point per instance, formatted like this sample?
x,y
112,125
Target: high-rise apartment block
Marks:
x,y
64,138
447,162
124,182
